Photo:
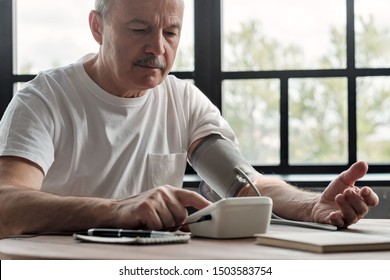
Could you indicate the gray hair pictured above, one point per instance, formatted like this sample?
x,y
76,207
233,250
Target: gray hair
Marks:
x,y
103,7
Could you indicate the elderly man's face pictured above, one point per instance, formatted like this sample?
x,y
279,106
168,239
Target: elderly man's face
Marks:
x,y
140,40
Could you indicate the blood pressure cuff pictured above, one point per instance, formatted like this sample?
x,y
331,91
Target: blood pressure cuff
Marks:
x,y
215,159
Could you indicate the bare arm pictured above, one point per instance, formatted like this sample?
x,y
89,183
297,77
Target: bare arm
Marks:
x,y
289,202
26,209
340,204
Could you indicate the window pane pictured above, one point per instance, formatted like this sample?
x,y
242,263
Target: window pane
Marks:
x,y
51,33
251,107
373,101
318,125
283,34
372,28
18,86
185,54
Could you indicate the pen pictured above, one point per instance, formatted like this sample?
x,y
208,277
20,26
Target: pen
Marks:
x,y
112,232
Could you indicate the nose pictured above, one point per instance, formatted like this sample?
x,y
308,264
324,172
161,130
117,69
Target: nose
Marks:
x,y
156,43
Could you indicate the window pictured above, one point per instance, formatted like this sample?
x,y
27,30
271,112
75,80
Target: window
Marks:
x,y
49,34
304,84
318,121
40,45
280,35
372,34
373,119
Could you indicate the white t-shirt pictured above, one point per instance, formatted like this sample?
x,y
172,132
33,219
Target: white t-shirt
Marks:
x,y
91,143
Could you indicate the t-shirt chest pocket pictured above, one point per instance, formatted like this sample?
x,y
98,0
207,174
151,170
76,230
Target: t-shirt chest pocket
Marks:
x,y
166,169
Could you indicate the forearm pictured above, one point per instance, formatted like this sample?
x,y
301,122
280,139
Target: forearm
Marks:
x,y
31,211
289,202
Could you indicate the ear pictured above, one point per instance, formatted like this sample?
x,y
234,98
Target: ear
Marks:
x,y
96,26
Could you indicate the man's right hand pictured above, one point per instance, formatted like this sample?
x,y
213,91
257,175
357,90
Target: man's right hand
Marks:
x,y
156,209
27,209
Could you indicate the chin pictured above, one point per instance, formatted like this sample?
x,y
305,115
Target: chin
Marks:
x,y
145,84
152,81
147,78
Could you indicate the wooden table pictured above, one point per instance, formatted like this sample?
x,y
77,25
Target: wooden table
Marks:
x,y
65,247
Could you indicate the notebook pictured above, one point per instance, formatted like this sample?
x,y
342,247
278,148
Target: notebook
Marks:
x,y
177,238
325,241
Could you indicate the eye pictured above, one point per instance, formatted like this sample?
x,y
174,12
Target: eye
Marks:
x,y
139,30
171,34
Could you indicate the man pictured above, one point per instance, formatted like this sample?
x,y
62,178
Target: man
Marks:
x,y
104,142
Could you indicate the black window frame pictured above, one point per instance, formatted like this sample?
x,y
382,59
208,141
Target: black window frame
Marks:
x,y
208,76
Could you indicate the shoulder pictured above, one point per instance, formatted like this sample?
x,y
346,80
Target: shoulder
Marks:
x,y
175,84
183,89
60,75
51,84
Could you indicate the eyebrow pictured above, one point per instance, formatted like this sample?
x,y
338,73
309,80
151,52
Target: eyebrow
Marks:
x,y
174,24
137,21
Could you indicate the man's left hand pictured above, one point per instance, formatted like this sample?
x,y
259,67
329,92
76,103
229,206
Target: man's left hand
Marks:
x,y
342,203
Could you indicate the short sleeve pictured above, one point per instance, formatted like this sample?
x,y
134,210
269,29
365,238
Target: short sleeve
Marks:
x,y
206,118
27,130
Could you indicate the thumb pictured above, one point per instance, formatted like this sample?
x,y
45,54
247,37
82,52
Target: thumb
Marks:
x,y
354,173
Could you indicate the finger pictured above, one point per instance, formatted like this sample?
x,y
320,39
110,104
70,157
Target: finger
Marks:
x,y
354,173
169,218
154,209
178,213
347,212
151,219
185,228
139,215
187,198
168,207
335,219
369,196
193,199
356,202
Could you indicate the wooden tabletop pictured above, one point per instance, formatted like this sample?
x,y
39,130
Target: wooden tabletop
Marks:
x,y
65,247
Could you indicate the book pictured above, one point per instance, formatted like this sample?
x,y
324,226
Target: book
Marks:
x,y
325,241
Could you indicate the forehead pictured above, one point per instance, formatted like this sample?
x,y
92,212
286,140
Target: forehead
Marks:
x,y
162,11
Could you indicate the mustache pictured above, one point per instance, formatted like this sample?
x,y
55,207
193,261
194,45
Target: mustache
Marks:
x,y
151,61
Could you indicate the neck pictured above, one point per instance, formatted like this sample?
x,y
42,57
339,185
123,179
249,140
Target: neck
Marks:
x,y
92,66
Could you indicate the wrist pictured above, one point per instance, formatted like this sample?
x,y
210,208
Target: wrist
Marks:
x,y
247,190
104,213
244,191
